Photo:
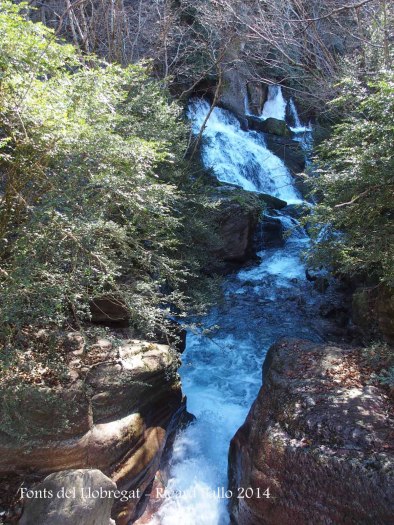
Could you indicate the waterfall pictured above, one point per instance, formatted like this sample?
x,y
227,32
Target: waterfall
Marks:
x,y
246,105
298,127
294,114
240,157
221,371
275,105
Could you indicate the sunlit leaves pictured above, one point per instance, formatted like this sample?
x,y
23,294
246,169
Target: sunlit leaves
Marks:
x,y
89,199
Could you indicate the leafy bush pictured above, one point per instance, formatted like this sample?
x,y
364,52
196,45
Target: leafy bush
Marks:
x,y
93,190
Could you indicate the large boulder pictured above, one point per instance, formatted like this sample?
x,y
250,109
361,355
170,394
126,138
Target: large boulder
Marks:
x,y
270,125
83,497
236,227
319,438
241,223
238,213
115,414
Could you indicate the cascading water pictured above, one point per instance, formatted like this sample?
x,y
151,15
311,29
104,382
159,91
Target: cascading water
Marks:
x,y
275,105
221,373
240,157
294,113
302,133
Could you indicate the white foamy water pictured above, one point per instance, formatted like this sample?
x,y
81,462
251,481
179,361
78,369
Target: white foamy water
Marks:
x,y
275,105
240,157
298,127
221,372
199,463
280,267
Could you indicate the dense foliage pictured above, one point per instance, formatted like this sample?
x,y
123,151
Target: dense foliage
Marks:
x,y
96,202
91,198
356,182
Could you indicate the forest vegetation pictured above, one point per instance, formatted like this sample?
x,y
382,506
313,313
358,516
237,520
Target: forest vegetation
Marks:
x,y
97,199
335,57
355,219
104,198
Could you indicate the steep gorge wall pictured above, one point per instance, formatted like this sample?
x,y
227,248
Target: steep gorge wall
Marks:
x,y
319,438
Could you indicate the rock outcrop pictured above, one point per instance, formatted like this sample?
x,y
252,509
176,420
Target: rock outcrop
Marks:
x,y
83,497
236,227
237,218
318,437
270,125
257,95
290,151
293,156
240,92
235,77
272,232
118,411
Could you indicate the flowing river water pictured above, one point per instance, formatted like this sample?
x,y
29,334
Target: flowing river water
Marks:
x,y
221,372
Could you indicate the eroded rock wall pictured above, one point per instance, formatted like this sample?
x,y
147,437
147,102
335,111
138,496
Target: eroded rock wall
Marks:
x,y
318,436
123,408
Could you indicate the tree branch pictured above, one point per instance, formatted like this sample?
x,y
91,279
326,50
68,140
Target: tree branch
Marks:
x,y
333,12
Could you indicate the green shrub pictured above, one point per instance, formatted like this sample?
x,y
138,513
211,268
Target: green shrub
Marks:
x,y
353,223
93,186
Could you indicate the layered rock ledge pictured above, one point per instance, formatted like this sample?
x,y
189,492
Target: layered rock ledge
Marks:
x,y
318,436
121,407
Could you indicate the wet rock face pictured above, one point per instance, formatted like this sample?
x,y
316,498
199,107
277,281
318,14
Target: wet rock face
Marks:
x,y
290,151
270,125
63,499
237,218
257,95
293,156
122,412
319,438
272,232
235,77
236,228
233,92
